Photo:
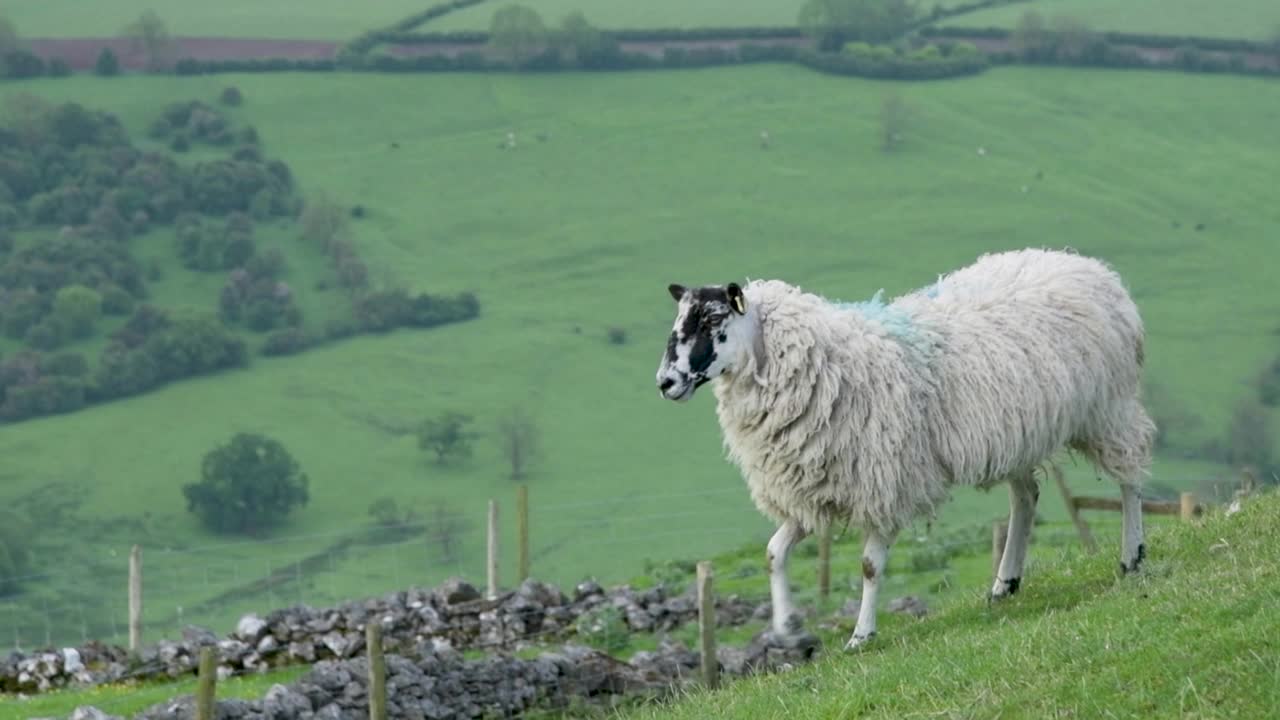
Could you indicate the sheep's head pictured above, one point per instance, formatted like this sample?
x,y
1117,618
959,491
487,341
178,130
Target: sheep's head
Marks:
x,y
708,339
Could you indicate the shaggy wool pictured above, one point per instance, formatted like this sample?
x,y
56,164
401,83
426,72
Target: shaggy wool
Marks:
x,y
869,413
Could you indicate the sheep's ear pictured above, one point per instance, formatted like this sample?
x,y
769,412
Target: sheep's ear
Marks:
x,y
736,299
676,290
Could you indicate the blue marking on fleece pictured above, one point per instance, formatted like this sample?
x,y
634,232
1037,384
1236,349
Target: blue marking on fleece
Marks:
x,y
896,322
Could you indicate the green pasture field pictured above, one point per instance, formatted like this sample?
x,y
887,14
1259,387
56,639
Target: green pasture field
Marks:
x,y
640,179
1191,637
1253,19
317,19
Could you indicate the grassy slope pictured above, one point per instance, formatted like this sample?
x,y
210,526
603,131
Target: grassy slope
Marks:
x,y
649,178
323,19
1256,19
1194,636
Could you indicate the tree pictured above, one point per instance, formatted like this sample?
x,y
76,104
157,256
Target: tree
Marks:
x,y
150,32
581,43
517,32
76,308
1273,42
836,22
1029,35
1249,438
107,64
323,222
445,436
247,485
519,437
893,120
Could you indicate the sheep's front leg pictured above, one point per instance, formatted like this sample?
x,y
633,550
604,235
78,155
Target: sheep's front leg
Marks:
x,y
875,557
786,621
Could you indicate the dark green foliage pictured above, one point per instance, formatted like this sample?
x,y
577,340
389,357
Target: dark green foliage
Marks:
x,y
180,143
107,64
928,63
76,309
446,436
59,68
231,96
247,486
206,247
64,364
518,33
18,64
289,341
836,22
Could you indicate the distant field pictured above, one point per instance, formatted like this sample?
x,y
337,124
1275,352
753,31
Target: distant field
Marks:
x,y
643,179
1257,19
316,19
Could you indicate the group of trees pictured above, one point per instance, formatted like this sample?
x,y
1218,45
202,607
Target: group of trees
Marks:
x,y
518,438
147,35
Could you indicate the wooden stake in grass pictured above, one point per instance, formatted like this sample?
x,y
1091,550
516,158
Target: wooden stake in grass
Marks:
x,y
135,598
208,684
707,626
492,560
1187,507
522,529
377,671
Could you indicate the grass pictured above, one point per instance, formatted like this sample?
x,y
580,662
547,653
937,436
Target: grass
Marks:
x,y
1193,636
644,179
323,19
128,698
1253,19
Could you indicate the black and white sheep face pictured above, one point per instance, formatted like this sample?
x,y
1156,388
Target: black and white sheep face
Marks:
x,y
705,341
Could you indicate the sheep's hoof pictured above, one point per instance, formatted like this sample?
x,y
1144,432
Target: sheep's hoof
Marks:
x,y
858,642
1003,589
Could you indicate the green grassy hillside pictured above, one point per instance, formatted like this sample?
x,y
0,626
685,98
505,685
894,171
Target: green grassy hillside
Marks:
x,y
323,19
1255,19
1193,636
640,179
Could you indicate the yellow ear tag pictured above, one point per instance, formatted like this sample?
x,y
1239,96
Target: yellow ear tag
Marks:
x,y
740,304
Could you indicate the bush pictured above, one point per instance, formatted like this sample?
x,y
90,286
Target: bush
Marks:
x,y
445,436
617,336
180,142
289,341
231,96
59,68
247,486
108,64
75,309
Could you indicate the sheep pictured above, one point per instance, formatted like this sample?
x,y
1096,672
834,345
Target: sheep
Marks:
x,y
870,413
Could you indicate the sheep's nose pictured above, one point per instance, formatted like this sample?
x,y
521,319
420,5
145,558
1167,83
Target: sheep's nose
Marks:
x,y
666,384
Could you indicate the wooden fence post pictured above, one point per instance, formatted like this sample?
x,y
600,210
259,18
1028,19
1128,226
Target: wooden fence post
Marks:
x,y
707,625
824,564
999,536
522,528
1082,527
208,683
377,671
135,598
1188,506
493,549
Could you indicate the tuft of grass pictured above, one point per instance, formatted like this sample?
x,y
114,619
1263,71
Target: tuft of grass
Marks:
x,y
1193,635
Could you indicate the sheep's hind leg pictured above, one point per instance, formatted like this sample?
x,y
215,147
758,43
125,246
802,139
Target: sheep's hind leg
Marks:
x,y
787,628
875,556
1023,495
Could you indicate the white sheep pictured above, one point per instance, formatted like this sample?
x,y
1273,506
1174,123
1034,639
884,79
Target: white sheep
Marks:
x,y
868,413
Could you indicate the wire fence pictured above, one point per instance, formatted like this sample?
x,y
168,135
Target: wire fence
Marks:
x,y
213,586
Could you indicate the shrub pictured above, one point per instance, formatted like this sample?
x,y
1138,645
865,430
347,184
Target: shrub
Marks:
x,y
180,142
76,308
231,96
247,485
59,68
617,336
108,64
289,341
